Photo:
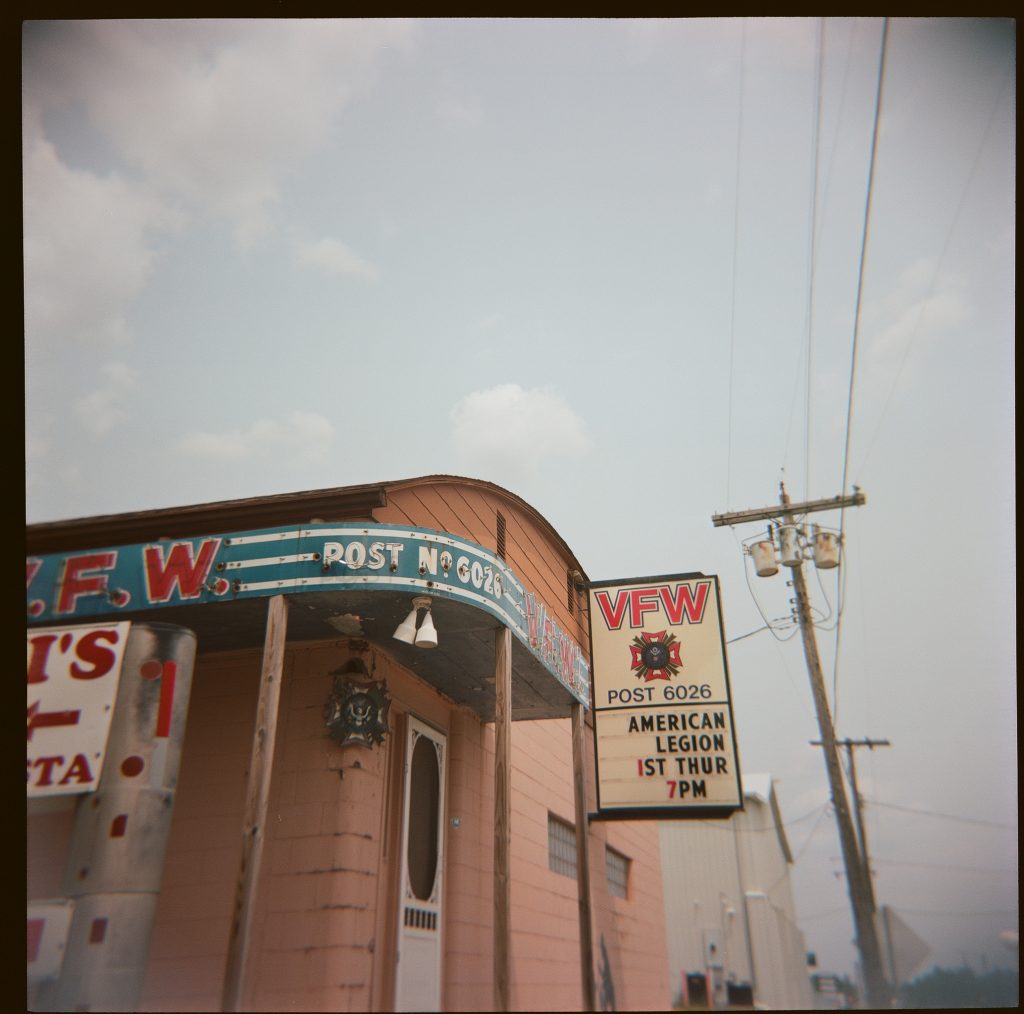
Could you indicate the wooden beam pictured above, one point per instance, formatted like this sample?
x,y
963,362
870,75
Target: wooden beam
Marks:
x,y
579,778
257,796
502,814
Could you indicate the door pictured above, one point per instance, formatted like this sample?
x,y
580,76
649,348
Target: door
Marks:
x,y
420,890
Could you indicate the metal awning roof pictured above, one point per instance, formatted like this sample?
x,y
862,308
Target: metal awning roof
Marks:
x,y
461,666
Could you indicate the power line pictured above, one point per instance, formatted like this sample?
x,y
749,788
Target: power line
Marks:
x,y
821,915
731,640
921,911
856,335
1007,75
771,827
864,245
944,816
813,238
735,247
822,810
934,866
942,866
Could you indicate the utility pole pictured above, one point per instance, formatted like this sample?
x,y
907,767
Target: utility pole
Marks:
x,y
859,890
862,837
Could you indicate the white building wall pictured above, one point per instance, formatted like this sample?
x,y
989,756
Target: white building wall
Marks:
x,y
701,888
727,882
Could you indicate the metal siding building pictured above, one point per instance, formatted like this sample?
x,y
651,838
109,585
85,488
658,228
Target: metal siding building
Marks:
x,y
729,912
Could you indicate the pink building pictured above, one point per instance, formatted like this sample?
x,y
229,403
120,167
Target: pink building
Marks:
x,y
345,803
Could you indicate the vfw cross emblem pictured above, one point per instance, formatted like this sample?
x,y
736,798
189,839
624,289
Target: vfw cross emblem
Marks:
x,y
655,656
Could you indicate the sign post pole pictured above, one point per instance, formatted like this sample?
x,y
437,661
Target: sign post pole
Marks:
x,y
254,829
582,855
502,813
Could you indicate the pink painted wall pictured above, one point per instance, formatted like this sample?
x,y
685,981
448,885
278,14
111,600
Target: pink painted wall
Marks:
x,y
319,938
323,936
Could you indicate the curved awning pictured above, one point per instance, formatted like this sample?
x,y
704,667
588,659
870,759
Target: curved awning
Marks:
x,y
351,579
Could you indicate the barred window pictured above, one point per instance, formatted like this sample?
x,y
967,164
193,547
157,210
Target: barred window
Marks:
x,y
561,847
570,592
617,866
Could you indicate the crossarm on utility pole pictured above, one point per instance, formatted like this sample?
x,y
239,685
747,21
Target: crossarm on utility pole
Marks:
x,y
858,499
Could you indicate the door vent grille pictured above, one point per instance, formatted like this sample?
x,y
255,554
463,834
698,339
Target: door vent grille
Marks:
x,y
420,918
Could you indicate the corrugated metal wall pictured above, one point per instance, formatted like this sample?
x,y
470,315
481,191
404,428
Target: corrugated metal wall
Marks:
x,y
727,883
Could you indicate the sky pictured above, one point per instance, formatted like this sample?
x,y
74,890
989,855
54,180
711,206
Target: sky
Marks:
x,y
613,266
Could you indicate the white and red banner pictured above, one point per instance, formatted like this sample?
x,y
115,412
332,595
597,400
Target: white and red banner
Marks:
x,y
73,675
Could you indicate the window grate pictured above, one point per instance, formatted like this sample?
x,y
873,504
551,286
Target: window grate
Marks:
x,y
501,536
570,592
561,847
617,867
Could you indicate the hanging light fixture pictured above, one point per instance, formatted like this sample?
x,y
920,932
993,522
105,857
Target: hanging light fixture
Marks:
x,y
426,635
406,630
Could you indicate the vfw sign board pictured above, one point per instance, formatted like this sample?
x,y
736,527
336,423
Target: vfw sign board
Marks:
x,y
662,710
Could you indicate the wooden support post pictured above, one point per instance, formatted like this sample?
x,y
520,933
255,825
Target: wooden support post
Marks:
x,y
257,796
579,777
502,814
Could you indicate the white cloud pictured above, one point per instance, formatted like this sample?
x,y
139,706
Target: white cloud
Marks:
x,y
466,112
334,258
88,247
920,304
302,436
713,194
103,407
507,428
37,453
214,113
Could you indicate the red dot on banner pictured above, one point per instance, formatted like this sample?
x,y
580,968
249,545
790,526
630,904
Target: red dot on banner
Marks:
x,y
132,766
36,607
151,670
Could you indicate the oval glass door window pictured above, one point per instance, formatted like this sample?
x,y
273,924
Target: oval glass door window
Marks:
x,y
424,796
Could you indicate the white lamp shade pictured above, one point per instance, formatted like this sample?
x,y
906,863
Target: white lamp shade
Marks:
x,y
426,636
406,630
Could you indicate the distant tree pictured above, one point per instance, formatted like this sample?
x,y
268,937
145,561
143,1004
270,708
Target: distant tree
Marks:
x,y
962,987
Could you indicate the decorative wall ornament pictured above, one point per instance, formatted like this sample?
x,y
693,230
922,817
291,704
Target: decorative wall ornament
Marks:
x,y
356,711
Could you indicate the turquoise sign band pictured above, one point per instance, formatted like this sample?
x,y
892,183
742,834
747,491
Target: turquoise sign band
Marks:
x,y
68,587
